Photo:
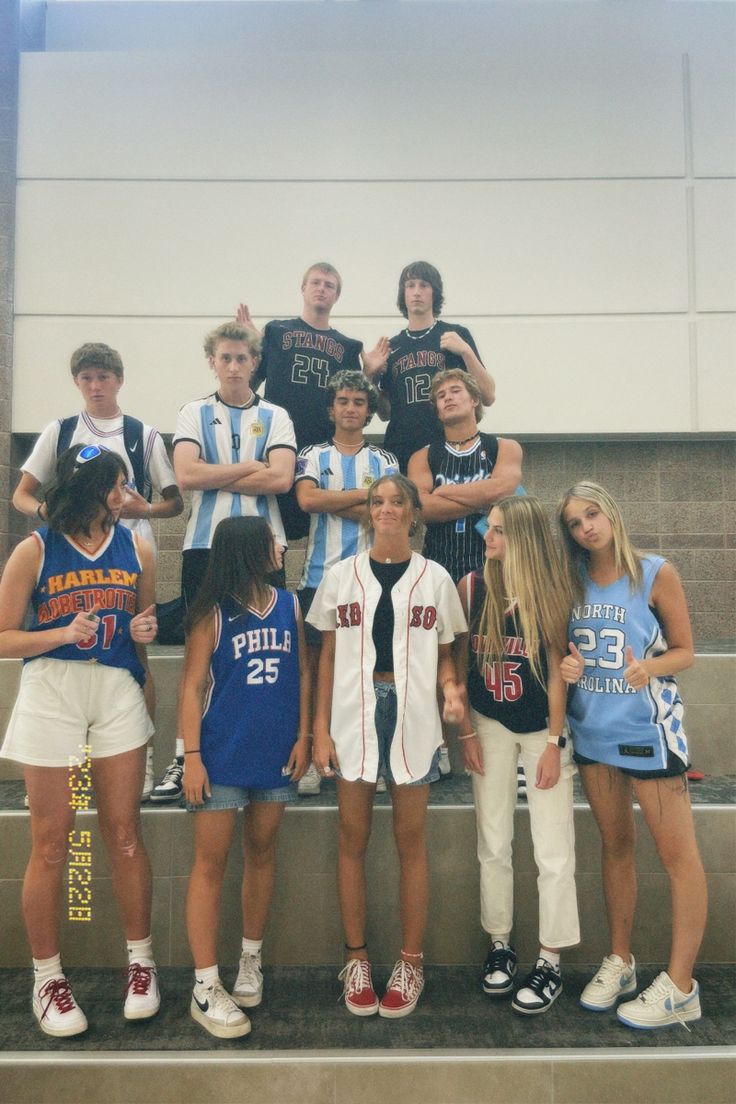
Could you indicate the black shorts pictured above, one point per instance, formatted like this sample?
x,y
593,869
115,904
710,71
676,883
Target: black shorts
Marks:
x,y
675,767
305,596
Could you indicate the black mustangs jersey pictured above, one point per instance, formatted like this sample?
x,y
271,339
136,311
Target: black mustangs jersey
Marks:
x,y
412,364
458,545
296,362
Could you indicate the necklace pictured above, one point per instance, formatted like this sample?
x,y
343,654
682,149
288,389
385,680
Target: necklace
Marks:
x,y
419,336
465,440
343,445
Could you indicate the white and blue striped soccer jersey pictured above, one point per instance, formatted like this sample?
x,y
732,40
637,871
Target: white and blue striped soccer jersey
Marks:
x,y
610,722
228,435
250,719
332,538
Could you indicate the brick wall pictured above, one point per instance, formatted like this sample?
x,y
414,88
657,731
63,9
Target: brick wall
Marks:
x,y
8,127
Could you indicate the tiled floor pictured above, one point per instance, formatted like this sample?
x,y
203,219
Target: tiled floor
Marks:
x,y
301,1011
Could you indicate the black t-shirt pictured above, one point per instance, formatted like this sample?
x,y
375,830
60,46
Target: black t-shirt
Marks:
x,y
388,575
412,364
297,360
458,545
507,691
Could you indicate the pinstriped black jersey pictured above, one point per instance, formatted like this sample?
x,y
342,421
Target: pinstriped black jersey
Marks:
x,y
457,545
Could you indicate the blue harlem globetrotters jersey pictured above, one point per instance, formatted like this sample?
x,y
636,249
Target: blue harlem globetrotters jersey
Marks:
x,y
331,537
72,580
250,719
610,722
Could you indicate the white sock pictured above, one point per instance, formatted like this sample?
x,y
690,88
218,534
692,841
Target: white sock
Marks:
x,y
141,950
207,977
252,946
504,938
179,753
549,956
45,968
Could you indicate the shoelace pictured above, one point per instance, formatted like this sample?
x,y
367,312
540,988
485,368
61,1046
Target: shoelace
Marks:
x,y
405,978
658,990
608,971
250,967
59,992
220,1000
357,976
498,958
539,977
139,979
174,773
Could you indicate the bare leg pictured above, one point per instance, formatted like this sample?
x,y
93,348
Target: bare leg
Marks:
x,y
213,833
609,794
261,824
410,819
52,819
118,780
355,802
665,803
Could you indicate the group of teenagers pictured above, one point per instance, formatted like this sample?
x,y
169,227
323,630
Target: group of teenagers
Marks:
x,y
562,654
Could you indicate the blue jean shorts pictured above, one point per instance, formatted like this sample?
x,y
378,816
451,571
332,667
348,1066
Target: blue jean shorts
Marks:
x,y
238,797
385,718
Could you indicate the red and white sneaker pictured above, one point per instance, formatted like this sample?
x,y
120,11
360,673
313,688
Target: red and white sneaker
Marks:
x,y
403,990
142,996
56,1010
360,996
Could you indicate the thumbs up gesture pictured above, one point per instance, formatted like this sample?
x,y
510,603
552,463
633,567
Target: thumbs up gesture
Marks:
x,y
573,665
635,673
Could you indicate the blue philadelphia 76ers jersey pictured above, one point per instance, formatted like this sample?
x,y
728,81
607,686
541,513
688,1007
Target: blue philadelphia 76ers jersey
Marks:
x,y
72,580
251,713
610,722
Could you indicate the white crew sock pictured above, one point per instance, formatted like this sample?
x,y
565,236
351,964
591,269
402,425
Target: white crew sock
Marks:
x,y
252,946
141,951
553,957
207,977
504,938
45,968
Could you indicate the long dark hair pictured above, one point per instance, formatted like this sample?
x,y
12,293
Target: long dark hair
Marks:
x,y
80,490
240,561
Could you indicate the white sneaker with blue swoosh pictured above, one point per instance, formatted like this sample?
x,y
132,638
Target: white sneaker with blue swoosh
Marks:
x,y
661,1004
615,979
217,1012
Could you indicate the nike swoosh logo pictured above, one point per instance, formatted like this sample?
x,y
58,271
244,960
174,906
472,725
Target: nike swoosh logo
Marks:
x,y
234,617
203,1006
133,447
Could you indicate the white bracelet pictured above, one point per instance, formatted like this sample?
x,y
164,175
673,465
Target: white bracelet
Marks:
x,y
468,736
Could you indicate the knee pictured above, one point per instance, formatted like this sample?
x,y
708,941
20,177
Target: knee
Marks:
x,y
122,839
210,867
411,842
52,849
619,846
353,844
260,852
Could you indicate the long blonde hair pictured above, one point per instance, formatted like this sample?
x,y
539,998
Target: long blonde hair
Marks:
x,y
532,578
626,558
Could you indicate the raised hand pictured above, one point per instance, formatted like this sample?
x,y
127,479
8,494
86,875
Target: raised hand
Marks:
x,y
144,626
83,628
573,665
635,672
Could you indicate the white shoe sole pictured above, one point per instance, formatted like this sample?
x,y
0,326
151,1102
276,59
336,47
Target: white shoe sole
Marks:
x,y
141,1013
220,1031
397,1013
59,1033
626,992
497,991
359,1010
523,1011
247,1000
684,1017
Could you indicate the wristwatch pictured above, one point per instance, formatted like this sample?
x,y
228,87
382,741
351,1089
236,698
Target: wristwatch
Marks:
x,y
558,741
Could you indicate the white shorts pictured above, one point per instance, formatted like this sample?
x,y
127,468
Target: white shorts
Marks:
x,y
65,705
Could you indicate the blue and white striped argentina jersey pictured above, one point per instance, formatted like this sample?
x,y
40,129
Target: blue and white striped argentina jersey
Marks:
x,y
332,538
227,435
610,722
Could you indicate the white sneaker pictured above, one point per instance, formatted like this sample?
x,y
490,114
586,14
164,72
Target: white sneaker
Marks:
x,y
248,988
56,1010
216,1011
614,979
148,776
444,763
381,786
310,782
142,996
660,1005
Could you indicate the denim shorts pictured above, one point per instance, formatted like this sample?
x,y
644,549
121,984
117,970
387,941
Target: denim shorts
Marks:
x,y
385,718
238,797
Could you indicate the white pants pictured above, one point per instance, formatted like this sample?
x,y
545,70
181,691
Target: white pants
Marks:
x,y
552,827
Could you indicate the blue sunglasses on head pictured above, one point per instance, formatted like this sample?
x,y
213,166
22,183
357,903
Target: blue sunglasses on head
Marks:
x,y
89,452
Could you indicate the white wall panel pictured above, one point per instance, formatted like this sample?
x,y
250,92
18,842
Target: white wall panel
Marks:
x,y
195,248
572,376
613,112
715,245
712,61
717,374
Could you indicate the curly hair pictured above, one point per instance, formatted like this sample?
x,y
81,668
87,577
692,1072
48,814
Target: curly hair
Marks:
x,y
233,331
96,355
348,380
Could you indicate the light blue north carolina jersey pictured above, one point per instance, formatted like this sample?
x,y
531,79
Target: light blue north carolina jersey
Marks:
x,y
332,538
610,722
227,435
